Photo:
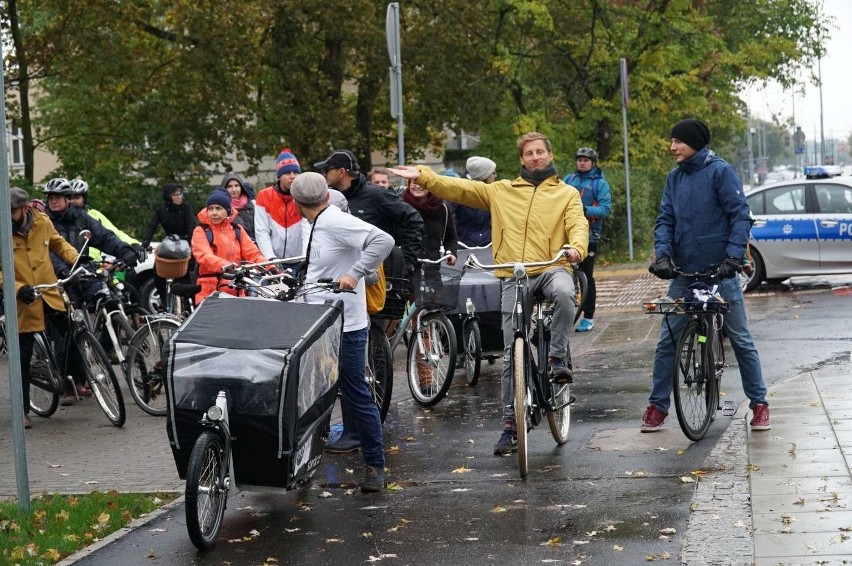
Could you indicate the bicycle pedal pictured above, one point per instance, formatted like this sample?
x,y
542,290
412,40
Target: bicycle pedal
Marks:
x,y
728,409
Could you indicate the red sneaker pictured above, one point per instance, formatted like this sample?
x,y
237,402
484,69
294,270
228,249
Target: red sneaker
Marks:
x,y
653,419
82,390
760,419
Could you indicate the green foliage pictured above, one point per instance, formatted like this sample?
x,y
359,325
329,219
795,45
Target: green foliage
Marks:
x,y
59,525
136,94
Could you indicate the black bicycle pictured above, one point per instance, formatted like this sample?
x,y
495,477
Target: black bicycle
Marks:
x,y
536,394
95,362
699,356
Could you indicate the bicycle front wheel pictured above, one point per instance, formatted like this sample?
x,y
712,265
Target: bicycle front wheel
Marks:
x,y
472,341
101,377
206,491
694,383
45,382
145,373
581,289
379,372
520,389
430,370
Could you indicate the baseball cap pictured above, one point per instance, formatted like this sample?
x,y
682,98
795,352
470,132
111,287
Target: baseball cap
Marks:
x,y
339,158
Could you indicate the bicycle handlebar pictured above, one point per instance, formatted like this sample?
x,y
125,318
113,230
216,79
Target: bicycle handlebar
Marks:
x,y
79,271
472,261
467,247
441,259
709,273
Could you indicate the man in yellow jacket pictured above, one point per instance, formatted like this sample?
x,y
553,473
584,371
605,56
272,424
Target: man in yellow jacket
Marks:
x,y
532,217
33,238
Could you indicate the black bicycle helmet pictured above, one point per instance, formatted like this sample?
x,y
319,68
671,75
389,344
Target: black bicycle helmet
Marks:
x,y
587,152
79,187
58,186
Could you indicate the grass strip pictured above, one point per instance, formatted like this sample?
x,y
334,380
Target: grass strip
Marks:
x,y
59,525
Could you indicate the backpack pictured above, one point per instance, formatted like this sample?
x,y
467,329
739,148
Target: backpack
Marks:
x,y
376,293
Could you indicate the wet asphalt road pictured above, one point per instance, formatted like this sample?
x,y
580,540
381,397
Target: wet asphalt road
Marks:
x,y
603,498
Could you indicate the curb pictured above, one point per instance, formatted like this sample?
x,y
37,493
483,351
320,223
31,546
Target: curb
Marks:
x,y
120,533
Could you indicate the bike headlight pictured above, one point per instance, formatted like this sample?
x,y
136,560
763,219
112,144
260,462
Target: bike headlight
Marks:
x,y
214,413
77,316
468,306
519,271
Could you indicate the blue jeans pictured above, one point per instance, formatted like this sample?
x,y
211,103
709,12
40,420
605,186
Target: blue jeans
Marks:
x,y
356,394
736,329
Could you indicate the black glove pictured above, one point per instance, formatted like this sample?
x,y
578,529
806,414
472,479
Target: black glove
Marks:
x,y
141,252
146,244
730,267
663,268
129,258
27,295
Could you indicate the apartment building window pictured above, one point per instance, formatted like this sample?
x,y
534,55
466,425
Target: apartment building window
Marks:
x,y
16,145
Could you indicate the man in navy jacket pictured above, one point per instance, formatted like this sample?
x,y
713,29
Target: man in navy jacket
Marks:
x,y
704,221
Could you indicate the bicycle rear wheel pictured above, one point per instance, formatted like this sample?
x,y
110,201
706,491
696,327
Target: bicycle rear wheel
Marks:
x,y
430,371
520,391
472,351
694,383
45,382
145,374
581,289
379,372
206,491
101,377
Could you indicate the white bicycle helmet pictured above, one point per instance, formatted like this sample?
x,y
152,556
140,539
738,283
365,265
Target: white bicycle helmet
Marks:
x,y
79,187
58,186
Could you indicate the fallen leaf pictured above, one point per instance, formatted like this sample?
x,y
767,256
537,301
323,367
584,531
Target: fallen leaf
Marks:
x,y
665,556
62,515
555,541
786,530
799,501
367,535
409,439
698,473
393,486
498,509
158,530
753,468
51,554
461,470
787,519
297,529
254,533
471,539
740,525
668,531
326,494
686,479
461,489
49,465
103,518
609,528
392,449
617,548
693,506
151,553
333,540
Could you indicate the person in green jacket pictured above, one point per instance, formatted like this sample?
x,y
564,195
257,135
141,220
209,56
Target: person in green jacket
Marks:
x,y
80,199
532,217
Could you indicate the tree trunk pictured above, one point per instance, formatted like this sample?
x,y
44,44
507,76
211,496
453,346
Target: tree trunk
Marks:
x,y
23,91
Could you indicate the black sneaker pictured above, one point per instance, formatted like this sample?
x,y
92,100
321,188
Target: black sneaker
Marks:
x,y
374,480
561,373
507,444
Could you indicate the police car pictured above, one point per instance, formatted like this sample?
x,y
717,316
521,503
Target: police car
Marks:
x,y
802,227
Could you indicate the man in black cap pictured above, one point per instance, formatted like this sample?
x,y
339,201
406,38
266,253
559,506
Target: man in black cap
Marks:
x,y
386,211
704,205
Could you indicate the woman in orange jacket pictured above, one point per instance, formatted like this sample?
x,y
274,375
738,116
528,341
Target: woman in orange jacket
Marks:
x,y
218,243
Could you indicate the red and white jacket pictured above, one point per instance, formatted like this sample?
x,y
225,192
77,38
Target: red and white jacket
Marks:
x,y
277,224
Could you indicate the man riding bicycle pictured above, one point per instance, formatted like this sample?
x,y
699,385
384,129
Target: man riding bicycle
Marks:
x,y
532,218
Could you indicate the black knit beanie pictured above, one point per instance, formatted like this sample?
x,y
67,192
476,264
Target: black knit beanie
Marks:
x,y
692,132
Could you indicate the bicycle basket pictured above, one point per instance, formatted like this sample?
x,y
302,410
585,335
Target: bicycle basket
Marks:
x,y
437,289
701,297
397,295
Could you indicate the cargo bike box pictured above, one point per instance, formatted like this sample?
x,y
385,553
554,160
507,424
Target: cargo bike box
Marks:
x,y
277,363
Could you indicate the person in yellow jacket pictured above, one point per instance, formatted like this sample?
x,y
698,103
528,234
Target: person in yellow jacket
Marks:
x,y
33,238
532,217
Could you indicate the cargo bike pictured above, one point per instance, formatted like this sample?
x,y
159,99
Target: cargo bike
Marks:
x,y
251,383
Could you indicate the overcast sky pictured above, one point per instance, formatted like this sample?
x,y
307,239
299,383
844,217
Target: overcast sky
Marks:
x,y
836,89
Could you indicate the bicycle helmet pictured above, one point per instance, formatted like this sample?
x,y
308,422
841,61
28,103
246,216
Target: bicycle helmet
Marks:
x,y
79,187
58,186
587,152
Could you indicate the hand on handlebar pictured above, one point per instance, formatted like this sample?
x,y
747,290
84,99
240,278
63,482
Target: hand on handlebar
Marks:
x,y
663,268
346,283
729,268
228,268
27,295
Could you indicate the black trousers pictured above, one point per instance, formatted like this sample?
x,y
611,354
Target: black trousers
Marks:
x,y
587,266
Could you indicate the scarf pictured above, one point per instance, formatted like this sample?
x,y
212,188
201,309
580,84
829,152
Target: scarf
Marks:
x,y
429,204
538,176
240,202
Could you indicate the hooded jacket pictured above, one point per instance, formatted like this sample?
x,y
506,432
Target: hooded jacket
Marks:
x,y
32,246
277,224
174,218
245,216
704,216
528,223
386,211
596,197
224,250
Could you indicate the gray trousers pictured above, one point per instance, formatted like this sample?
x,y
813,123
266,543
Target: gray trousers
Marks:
x,y
555,285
